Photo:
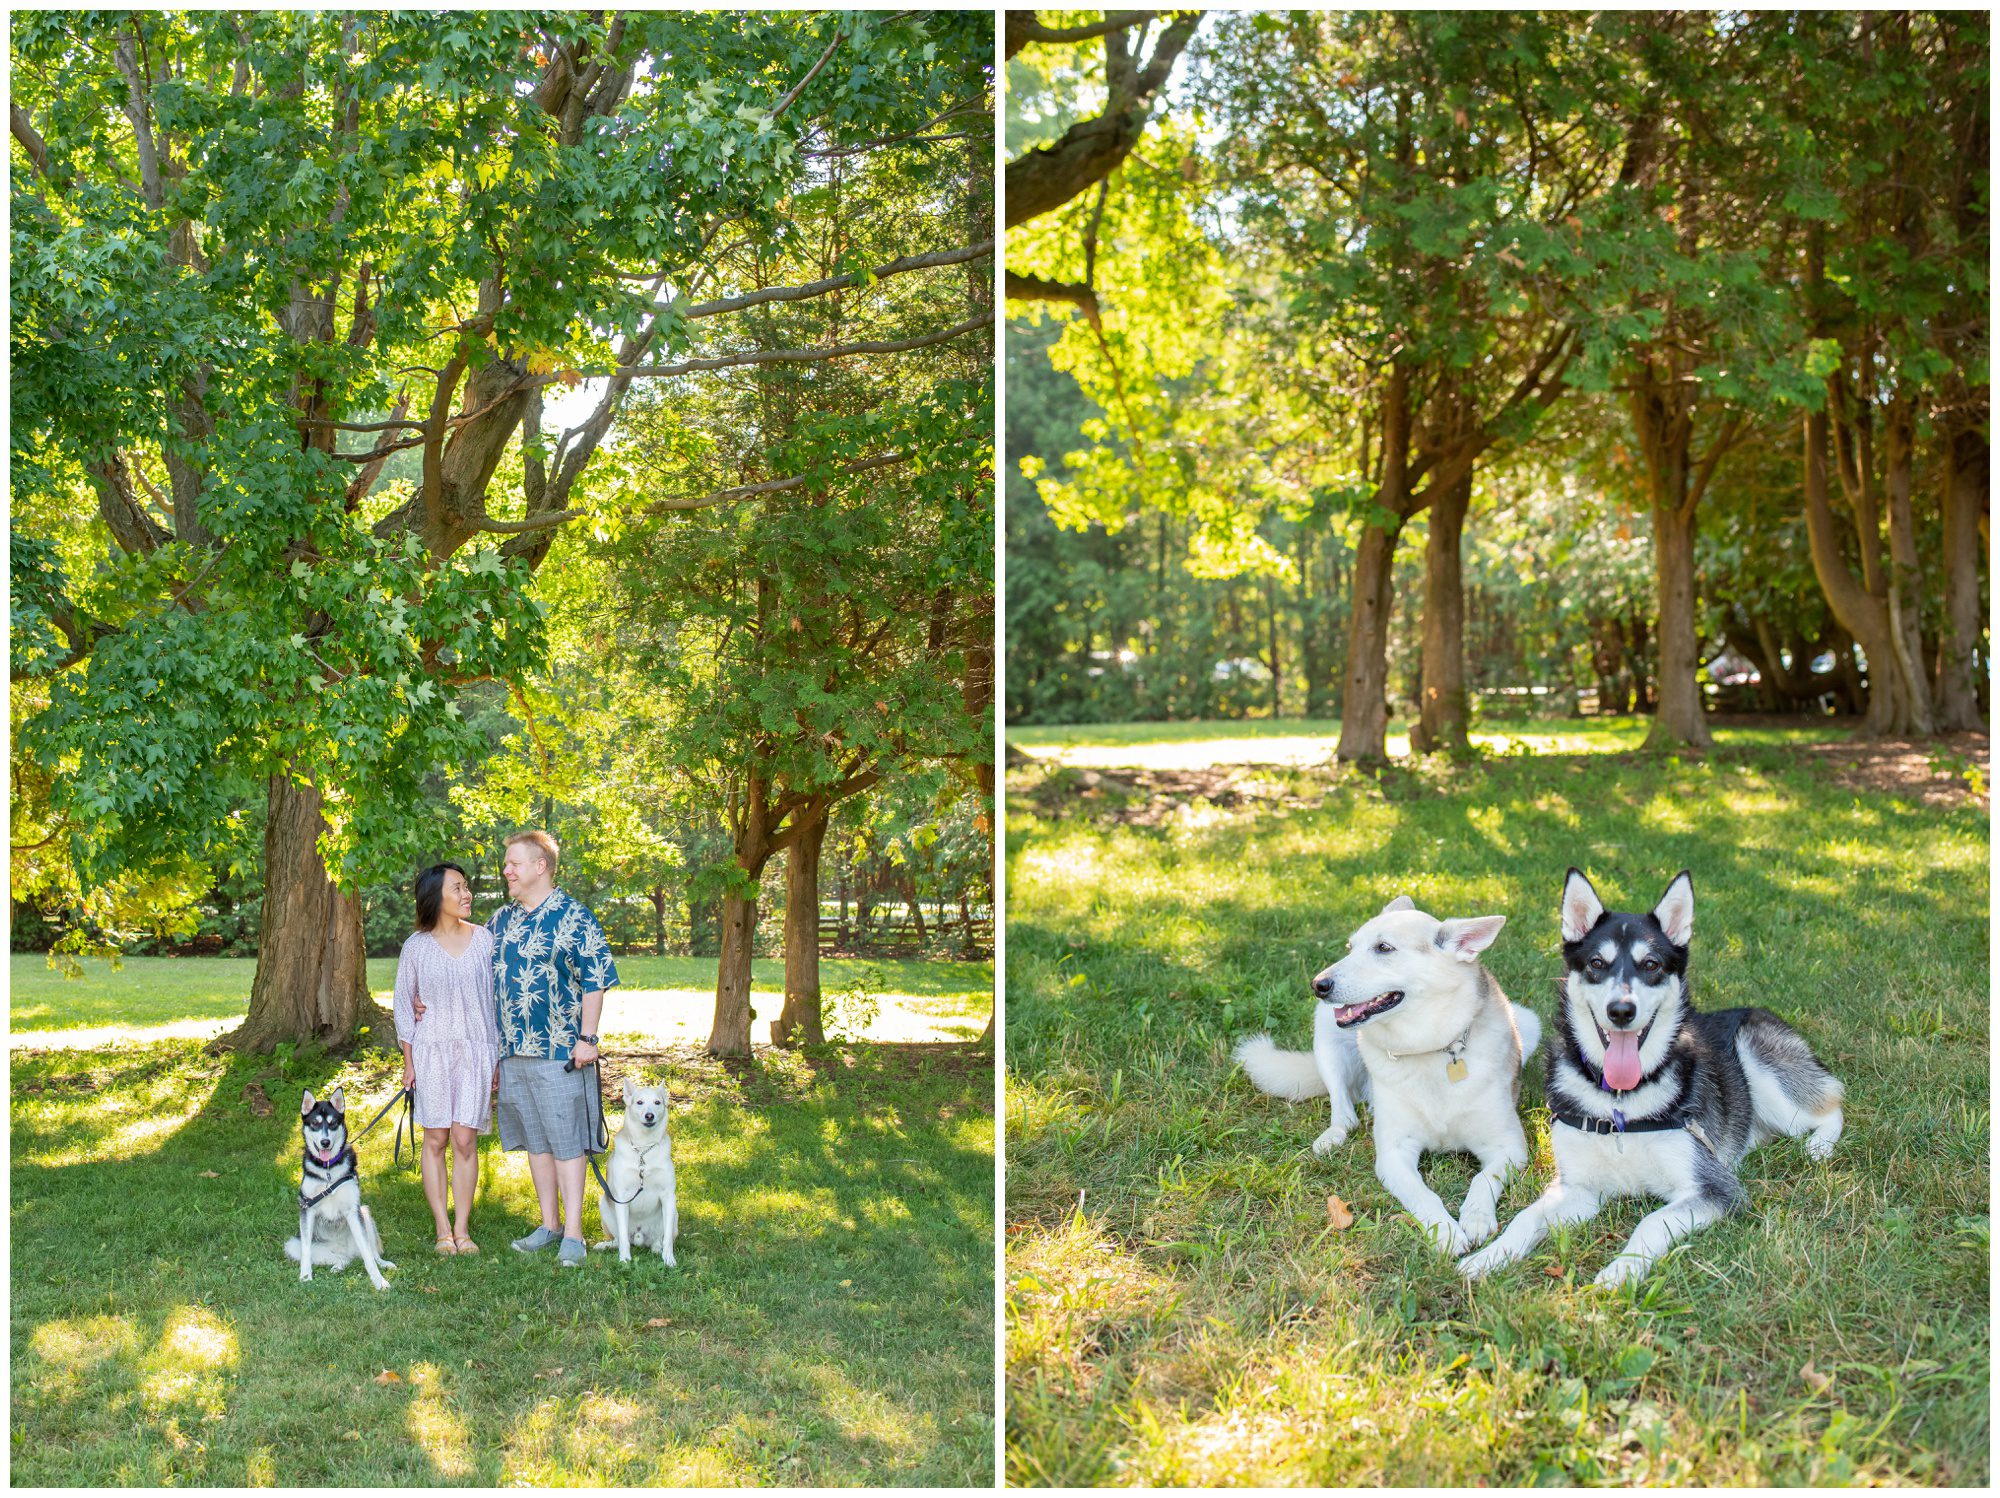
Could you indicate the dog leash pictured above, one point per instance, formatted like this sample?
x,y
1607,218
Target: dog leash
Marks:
x,y
408,1098
601,1137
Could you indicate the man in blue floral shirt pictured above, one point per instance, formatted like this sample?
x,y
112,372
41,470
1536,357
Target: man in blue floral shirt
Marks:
x,y
551,966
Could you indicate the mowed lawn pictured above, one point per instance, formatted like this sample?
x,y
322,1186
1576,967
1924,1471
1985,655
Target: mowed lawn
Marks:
x,y
1181,1310
928,1000
830,1321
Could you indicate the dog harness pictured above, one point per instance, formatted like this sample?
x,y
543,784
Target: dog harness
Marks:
x,y
345,1158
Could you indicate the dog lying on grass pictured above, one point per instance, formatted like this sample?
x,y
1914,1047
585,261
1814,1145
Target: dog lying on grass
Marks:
x,y
1410,1022
1651,1097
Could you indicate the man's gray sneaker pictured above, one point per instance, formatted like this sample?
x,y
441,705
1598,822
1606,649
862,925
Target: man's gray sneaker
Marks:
x,y
572,1251
536,1241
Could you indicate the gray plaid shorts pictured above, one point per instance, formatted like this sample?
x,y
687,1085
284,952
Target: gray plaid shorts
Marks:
x,y
544,1109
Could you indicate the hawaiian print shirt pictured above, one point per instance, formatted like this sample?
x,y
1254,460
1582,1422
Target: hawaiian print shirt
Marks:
x,y
544,961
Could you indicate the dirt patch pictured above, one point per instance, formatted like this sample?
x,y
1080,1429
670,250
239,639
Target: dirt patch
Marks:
x,y
1155,798
1954,770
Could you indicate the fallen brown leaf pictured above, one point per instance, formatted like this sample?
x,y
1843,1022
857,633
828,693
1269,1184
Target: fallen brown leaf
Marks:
x,y
1820,1382
260,1104
211,1175
1555,1271
1339,1216
658,1321
388,1376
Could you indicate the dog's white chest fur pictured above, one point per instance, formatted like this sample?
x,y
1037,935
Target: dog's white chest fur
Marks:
x,y
1657,1163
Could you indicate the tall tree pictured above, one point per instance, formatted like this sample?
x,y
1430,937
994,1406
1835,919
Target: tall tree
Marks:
x,y
256,256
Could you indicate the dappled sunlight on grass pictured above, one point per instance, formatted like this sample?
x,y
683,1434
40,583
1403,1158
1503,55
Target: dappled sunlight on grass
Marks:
x,y
64,1351
442,1434
190,1367
835,1276
1291,1353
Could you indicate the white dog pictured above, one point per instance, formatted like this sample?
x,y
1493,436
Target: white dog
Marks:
x,y
1410,1022
640,1208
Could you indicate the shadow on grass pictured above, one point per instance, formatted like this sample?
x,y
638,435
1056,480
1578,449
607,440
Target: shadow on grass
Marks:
x,y
831,1321
1180,1310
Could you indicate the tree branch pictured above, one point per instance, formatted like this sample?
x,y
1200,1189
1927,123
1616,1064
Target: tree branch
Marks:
x,y
31,142
835,283
804,355
811,73
769,486
1024,27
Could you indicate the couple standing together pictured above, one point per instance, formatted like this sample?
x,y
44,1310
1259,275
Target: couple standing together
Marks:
x,y
498,1009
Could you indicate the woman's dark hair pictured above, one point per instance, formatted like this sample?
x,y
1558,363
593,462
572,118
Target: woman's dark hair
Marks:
x,y
430,892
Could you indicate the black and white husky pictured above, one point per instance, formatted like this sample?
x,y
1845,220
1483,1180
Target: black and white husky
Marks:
x,y
1411,1023
331,1217
1651,1097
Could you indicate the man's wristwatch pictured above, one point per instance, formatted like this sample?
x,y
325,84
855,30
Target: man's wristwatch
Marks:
x,y
588,1039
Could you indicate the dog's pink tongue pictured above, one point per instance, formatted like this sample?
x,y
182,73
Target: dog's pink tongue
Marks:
x,y
1622,1070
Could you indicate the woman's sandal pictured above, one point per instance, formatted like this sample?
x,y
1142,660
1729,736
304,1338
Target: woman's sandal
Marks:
x,y
447,1245
465,1246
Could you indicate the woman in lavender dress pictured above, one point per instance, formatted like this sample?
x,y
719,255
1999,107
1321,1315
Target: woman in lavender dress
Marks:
x,y
451,1042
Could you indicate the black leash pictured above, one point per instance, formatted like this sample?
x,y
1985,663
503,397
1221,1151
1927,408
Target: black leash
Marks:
x,y
408,1098
601,1136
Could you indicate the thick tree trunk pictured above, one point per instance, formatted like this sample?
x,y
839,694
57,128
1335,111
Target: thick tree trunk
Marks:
x,y
1442,717
312,977
1965,502
799,1022
659,898
730,1035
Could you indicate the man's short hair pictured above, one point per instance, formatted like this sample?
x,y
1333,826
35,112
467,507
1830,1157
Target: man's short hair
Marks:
x,y
545,844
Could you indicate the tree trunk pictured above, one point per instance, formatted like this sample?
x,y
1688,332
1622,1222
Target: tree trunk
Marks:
x,y
799,1022
659,898
1678,720
1905,584
1364,708
1442,717
1862,614
1965,501
312,976
731,1033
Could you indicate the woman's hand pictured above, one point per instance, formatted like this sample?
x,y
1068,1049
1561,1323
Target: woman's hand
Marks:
x,y
417,1006
409,1074
496,1076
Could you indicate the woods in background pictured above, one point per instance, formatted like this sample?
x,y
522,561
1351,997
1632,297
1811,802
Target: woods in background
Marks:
x,y
425,425
1623,355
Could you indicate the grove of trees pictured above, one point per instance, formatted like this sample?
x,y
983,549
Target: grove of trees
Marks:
x,y
1663,333
489,411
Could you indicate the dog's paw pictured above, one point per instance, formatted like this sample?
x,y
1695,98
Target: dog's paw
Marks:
x,y
384,1264
1478,1266
1478,1224
1619,1272
1818,1148
1331,1140
1446,1237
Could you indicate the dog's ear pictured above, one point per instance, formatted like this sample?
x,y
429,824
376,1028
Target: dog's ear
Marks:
x,y
306,1106
1581,908
1466,939
1675,912
338,1100
1401,902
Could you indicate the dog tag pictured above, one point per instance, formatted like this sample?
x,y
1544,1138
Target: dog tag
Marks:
x,y
1456,1070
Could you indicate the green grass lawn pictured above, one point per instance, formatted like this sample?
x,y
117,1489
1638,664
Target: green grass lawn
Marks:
x,y
147,991
831,1321
1179,1309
